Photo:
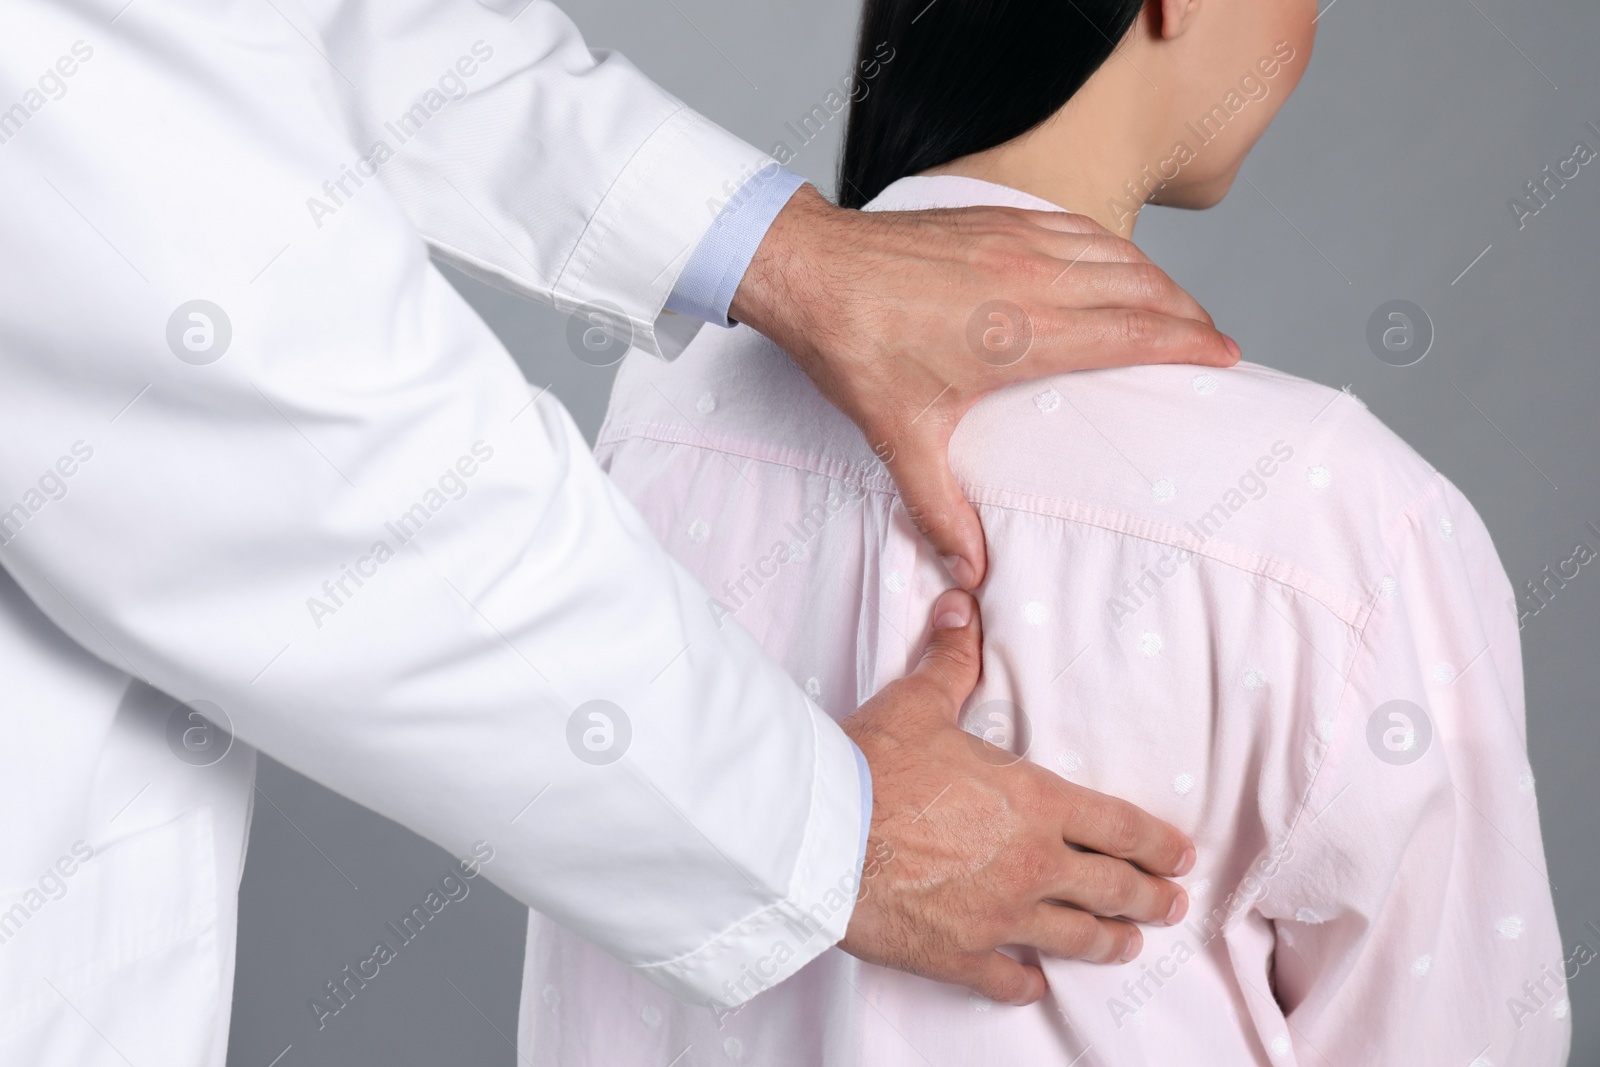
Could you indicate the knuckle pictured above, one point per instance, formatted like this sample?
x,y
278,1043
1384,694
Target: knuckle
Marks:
x,y
1114,249
1079,937
1029,869
1149,280
1119,889
1122,827
958,654
1135,328
1000,987
1035,798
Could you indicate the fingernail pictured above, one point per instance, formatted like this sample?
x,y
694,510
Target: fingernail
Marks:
x,y
1185,862
1133,948
1233,346
959,569
952,613
1180,906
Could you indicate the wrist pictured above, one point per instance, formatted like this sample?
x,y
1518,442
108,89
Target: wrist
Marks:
x,y
784,276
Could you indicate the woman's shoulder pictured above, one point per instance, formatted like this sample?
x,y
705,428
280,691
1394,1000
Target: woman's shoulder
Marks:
x,y
1258,465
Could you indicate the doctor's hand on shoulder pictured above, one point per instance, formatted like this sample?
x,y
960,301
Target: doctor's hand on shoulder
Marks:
x,y
971,847
905,319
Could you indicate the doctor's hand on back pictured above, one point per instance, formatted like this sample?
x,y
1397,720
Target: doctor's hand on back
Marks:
x,y
905,319
966,854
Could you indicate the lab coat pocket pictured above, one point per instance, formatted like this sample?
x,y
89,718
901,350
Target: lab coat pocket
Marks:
x,y
91,973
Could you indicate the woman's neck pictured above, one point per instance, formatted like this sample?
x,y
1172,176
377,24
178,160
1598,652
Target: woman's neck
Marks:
x,y
1090,157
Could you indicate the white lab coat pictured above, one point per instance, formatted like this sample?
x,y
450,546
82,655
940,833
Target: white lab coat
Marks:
x,y
355,536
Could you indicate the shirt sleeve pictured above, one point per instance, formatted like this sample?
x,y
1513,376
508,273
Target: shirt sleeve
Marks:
x,y
261,455
705,288
534,163
1413,913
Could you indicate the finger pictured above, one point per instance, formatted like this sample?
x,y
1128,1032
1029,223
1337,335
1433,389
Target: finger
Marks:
x,y
1116,828
1109,286
1062,221
1114,888
938,508
1117,337
951,661
1076,241
1070,934
1003,980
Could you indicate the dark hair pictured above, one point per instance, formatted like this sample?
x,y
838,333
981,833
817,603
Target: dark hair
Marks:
x,y
959,76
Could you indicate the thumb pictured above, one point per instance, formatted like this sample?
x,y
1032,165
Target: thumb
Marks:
x,y
938,508
953,658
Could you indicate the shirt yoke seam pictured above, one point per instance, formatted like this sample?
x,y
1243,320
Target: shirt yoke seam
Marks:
x,y
1350,609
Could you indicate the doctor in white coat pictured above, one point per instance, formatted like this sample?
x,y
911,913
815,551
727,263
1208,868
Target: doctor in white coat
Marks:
x,y
267,483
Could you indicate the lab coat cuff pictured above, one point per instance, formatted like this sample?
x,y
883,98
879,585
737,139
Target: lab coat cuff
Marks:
x,y
648,226
769,946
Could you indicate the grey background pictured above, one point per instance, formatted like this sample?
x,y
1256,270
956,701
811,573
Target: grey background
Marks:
x,y
1384,178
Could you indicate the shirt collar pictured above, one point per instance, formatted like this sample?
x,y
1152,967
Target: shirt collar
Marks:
x,y
920,192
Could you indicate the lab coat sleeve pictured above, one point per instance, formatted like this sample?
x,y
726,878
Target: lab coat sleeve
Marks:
x,y
271,461
1412,910
534,163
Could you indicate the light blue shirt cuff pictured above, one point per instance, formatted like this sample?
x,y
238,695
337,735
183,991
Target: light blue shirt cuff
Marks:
x,y
866,808
716,267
